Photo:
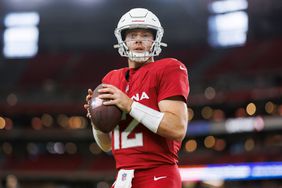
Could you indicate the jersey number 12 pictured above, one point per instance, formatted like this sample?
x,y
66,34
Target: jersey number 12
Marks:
x,y
121,140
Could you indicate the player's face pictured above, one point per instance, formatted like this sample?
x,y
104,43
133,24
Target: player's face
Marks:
x,y
139,40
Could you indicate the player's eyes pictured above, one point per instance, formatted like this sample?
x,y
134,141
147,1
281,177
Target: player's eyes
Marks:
x,y
134,36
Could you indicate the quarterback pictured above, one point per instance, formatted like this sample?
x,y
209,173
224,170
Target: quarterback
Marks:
x,y
152,95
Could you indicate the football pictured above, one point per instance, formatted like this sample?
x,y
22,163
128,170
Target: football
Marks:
x,y
104,117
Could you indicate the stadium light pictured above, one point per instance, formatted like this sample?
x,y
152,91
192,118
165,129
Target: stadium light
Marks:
x,y
232,171
21,19
228,29
228,6
21,35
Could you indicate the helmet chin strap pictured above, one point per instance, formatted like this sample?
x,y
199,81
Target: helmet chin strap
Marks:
x,y
139,57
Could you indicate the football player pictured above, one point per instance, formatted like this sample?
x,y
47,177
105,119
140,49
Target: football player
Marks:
x,y
153,95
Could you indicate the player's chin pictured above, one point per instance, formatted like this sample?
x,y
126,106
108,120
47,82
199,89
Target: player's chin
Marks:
x,y
140,62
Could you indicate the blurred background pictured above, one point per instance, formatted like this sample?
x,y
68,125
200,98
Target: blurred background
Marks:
x,y
52,51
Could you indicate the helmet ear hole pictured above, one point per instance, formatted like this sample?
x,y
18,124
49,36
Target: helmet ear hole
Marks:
x,y
123,33
154,32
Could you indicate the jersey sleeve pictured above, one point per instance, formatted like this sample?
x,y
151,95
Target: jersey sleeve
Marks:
x,y
107,78
173,80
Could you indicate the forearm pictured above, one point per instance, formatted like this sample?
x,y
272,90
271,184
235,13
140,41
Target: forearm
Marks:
x,y
102,139
167,124
172,127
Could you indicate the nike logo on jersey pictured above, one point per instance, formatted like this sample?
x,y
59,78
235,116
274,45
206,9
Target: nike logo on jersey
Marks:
x,y
158,178
182,67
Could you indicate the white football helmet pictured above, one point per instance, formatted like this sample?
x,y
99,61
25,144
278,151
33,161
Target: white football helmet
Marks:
x,y
139,18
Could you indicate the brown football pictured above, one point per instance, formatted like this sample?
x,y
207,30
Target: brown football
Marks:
x,y
104,117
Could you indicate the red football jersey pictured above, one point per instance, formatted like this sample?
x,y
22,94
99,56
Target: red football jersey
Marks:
x,y
133,145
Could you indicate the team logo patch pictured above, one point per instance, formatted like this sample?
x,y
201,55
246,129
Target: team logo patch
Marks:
x,y
182,67
123,177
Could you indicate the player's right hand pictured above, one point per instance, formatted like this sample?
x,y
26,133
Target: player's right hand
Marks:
x,y
87,99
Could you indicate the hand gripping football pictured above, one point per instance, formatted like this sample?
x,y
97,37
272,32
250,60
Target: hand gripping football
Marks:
x,y
104,117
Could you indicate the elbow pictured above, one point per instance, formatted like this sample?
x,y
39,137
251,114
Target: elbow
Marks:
x,y
180,133
179,129
105,145
175,130
182,130
179,136
106,148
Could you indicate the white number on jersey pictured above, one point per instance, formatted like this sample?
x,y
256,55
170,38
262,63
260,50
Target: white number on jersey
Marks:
x,y
125,142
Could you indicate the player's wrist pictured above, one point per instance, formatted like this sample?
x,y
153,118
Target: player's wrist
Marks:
x,y
129,106
149,117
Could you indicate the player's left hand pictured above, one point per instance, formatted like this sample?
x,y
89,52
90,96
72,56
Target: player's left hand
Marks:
x,y
87,100
115,96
